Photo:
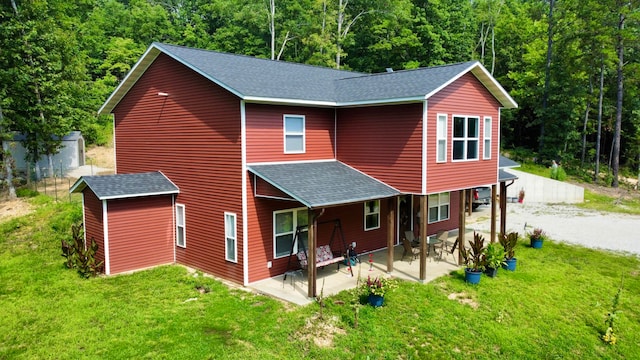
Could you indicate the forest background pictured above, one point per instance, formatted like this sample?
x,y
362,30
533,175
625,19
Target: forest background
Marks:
x,y
573,66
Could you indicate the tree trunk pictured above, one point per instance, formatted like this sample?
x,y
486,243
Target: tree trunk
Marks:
x,y
272,27
598,136
586,121
547,75
618,126
7,157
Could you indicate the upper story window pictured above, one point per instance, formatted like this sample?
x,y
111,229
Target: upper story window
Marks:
x,y
465,137
181,237
372,215
294,133
285,224
486,146
441,130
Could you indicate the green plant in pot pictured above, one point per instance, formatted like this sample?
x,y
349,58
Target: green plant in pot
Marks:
x,y
509,242
494,258
474,259
537,238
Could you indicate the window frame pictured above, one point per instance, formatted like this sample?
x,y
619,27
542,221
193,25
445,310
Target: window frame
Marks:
x,y
486,142
289,134
181,225
441,136
233,237
439,205
375,212
294,215
465,139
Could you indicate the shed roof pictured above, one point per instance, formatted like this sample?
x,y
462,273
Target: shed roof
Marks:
x,y
72,136
121,186
262,80
505,176
322,184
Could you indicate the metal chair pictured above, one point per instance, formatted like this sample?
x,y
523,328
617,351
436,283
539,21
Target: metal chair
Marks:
x,y
408,250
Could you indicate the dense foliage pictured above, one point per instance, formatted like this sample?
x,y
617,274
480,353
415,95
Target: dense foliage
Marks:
x,y
572,65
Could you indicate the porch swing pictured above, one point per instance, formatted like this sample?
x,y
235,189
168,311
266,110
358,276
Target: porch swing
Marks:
x,y
324,255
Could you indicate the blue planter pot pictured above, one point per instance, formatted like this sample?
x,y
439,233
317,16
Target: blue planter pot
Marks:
x,y
491,272
472,277
536,244
510,264
376,300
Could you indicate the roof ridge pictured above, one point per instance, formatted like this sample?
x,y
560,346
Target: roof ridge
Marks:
x,y
409,70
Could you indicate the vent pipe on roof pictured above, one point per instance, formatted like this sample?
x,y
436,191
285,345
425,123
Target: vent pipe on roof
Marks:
x,y
163,94
389,70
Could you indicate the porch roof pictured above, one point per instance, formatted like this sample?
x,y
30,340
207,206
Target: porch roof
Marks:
x,y
322,184
121,186
505,176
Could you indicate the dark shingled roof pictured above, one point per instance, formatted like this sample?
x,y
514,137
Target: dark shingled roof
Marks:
x,y
319,184
505,175
126,185
263,80
505,162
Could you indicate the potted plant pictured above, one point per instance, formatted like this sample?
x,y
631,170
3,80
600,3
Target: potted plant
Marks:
x,y
508,242
376,288
493,258
537,237
473,259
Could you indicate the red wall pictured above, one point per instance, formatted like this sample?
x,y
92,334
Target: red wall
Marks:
x,y
466,96
265,134
93,221
141,232
193,137
384,142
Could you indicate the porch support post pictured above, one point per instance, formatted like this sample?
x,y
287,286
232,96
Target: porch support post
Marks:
x,y
424,217
462,225
503,208
391,216
470,200
311,255
494,190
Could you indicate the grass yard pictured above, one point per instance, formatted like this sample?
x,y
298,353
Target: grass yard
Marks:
x,y
552,306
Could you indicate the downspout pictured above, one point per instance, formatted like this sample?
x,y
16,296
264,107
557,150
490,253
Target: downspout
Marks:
x,y
245,226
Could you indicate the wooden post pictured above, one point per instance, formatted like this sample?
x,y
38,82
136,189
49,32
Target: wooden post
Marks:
x,y
469,193
494,190
391,233
461,226
424,217
311,255
503,207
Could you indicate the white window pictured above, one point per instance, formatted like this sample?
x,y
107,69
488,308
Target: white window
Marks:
x,y
487,138
294,134
372,215
441,146
231,250
438,207
465,137
285,223
181,235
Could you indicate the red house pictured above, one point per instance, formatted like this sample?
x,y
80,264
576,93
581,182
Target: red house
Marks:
x,y
265,152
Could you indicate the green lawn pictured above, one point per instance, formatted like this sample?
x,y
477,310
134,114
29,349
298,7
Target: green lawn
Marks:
x,y
552,306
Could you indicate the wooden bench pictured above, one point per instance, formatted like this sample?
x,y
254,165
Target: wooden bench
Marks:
x,y
324,257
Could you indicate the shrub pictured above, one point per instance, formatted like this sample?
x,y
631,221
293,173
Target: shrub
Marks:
x,y
78,255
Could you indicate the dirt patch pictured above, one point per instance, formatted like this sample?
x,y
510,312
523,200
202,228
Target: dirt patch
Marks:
x,y
463,298
321,331
101,156
10,209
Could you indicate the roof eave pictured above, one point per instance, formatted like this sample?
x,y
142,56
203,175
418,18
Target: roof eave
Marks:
x,y
126,196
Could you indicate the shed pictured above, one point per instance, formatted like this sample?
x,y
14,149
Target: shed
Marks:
x,y
130,217
70,156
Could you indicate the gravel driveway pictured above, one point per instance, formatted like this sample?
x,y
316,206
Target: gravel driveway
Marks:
x,y
567,223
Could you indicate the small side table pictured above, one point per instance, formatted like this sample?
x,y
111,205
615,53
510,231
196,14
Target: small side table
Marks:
x,y
293,274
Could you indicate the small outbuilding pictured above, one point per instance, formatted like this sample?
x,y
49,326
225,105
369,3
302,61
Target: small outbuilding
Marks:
x,y
70,156
130,217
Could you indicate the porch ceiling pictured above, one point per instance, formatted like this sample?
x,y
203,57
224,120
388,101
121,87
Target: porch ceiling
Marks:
x,y
322,184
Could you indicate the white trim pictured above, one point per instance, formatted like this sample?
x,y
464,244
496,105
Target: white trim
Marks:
x,y
115,163
289,162
105,226
438,138
375,212
425,113
173,223
184,225
286,133
485,138
245,211
235,237
465,138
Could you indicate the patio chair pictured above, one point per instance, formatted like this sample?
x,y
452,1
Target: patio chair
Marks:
x,y
408,250
412,239
443,246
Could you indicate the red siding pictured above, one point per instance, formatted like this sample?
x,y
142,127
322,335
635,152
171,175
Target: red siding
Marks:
x,y
263,188
466,96
93,221
193,137
265,133
384,142
141,232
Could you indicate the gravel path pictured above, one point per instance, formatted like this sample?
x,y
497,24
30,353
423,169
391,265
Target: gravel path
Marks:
x,y
611,231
